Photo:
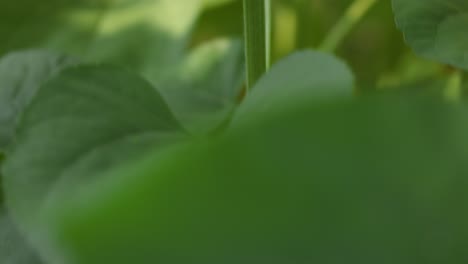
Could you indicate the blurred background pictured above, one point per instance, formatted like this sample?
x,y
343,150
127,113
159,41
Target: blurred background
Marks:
x,y
375,49
145,34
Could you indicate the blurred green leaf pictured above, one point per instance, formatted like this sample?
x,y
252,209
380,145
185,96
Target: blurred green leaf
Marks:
x,y
365,181
13,248
302,77
146,35
214,3
21,76
221,21
435,28
411,69
206,88
82,122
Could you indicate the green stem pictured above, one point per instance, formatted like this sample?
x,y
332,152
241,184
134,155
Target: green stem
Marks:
x,y
344,26
453,90
257,34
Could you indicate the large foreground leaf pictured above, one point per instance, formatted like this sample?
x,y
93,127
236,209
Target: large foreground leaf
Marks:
x,y
82,122
436,29
369,181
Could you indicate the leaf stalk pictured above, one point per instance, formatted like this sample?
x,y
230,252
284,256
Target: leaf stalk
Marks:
x,y
354,14
257,36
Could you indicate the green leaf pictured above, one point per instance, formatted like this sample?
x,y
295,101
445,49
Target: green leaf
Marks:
x,y
21,75
147,35
302,77
207,86
83,122
13,248
435,29
365,181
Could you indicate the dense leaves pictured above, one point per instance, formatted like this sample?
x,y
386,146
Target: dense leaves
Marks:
x,y
112,122
435,28
170,159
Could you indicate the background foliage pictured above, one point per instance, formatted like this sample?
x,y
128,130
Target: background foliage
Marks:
x,y
127,134
122,31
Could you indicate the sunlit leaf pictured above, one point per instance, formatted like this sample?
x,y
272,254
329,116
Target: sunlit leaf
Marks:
x,y
146,35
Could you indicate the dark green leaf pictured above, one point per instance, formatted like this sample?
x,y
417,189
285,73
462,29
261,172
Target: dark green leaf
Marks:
x,y
436,29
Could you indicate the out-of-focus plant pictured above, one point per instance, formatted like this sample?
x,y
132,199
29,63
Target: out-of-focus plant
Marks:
x,y
195,151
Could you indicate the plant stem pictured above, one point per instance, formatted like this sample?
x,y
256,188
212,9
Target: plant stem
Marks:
x,y
453,90
353,15
257,35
